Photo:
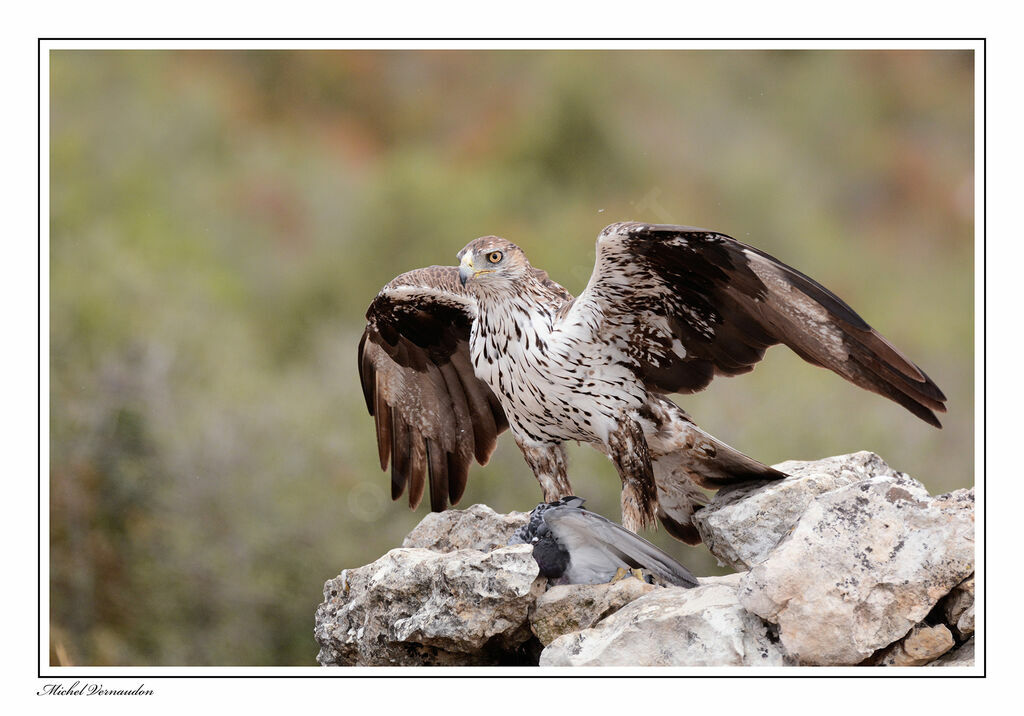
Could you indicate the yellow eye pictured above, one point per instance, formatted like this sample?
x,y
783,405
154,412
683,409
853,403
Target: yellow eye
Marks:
x,y
494,257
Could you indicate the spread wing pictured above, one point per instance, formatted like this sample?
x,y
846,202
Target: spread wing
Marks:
x,y
432,414
599,546
685,304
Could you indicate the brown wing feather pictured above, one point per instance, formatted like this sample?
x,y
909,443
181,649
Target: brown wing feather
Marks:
x,y
485,413
685,304
432,414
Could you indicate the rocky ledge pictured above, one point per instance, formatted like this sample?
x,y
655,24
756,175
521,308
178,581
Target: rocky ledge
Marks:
x,y
846,562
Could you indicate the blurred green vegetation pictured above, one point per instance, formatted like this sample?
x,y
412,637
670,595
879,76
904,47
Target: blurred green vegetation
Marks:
x,y
220,221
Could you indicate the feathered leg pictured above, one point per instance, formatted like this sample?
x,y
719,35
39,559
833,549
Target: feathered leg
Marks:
x,y
549,467
628,450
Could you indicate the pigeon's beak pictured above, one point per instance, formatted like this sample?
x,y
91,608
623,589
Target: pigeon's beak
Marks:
x,y
466,270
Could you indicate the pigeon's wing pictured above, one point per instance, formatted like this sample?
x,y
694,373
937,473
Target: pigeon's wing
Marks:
x,y
598,546
432,414
681,305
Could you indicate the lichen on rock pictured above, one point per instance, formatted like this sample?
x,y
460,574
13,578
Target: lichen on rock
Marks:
x,y
703,626
416,606
864,564
845,562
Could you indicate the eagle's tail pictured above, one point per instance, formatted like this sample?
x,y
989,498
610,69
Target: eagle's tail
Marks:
x,y
685,459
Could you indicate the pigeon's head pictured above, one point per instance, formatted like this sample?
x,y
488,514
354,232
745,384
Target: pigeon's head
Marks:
x,y
535,529
567,501
491,261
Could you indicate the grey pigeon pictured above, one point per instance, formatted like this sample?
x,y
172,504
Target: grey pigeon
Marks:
x,y
576,546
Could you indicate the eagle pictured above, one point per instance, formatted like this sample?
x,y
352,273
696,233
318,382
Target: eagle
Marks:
x,y
572,545
452,356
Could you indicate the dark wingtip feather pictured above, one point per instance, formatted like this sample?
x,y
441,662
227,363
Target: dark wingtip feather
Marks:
x,y
437,467
399,457
417,469
920,396
922,412
382,419
458,476
366,372
397,483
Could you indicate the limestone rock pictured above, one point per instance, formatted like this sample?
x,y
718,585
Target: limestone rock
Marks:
x,y
958,608
671,627
478,527
863,565
416,606
742,525
963,655
567,608
850,563
965,624
922,645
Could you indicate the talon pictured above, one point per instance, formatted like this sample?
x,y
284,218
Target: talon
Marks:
x,y
620,573
623,573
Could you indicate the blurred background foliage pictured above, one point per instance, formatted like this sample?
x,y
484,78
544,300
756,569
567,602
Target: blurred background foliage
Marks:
x,y
220,221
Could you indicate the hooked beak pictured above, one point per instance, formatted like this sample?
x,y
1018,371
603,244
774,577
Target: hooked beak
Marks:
x,y
466,270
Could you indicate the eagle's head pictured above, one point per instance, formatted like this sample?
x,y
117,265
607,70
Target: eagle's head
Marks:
x,y
492,261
